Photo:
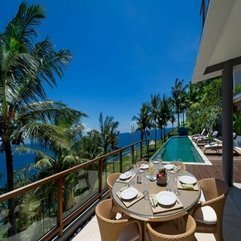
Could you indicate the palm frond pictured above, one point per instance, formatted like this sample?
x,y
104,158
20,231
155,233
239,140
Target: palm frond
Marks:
x,y
50,61
48,112
22,26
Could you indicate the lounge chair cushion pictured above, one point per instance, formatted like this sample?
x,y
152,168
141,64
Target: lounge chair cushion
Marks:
x,y
206,215
211,144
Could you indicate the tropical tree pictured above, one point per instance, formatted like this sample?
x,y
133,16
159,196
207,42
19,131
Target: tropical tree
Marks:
x,y
178,96
237,122
164,114
172,120
143,121
26,67
62,153
194,93
109,132
89,145
154,105
205,113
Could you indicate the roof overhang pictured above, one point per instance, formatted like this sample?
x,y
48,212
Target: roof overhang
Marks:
x,y
221,39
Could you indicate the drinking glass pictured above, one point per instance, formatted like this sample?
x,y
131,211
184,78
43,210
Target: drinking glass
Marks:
x,y
151,171
160,162
145,183
172,179
134,171
175,189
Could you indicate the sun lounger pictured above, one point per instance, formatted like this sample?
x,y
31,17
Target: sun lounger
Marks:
x,y
216,146
196,136
208,138
213,146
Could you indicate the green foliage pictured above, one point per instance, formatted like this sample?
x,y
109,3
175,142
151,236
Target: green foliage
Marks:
x,y
89,145
204,112
109,133
237,122
143,121
178,97
237,89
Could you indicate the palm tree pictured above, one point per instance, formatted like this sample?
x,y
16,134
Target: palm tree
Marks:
x,y
164,114
25,67
143,121
173,119
89,146
177,95
154,109
109,132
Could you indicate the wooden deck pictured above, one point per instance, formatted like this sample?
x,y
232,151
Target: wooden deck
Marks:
x,y
204,171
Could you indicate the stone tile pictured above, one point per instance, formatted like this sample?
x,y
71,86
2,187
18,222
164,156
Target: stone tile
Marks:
x,y
204,237
89,232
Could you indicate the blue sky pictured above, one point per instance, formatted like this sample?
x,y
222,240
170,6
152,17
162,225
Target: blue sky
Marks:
x,y
123,51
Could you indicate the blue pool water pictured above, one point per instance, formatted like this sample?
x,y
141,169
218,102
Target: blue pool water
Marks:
x,y
178,149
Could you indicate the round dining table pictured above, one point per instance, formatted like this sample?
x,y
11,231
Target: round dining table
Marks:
x,y
143,209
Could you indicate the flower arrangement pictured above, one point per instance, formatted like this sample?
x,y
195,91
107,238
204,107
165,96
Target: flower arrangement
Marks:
x,y
161,177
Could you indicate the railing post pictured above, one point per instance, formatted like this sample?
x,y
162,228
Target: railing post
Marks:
x,y
100,169
141,149
60,205
147,147
121,168
133,153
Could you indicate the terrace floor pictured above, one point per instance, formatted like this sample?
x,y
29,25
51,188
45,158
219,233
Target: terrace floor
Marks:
x,y
232,211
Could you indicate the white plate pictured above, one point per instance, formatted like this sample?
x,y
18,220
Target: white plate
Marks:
x,y
125,176
129,193
169,166
155,162
144,166
166,198
188,180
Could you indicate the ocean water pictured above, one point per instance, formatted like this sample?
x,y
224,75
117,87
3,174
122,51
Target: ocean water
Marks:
x,y
23,160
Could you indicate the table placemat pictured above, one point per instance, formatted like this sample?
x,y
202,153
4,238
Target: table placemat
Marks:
x,y
126,180
157,208
187,186
131,202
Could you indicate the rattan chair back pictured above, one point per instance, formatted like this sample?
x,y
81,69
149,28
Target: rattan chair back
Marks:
x,y
110,228
181,229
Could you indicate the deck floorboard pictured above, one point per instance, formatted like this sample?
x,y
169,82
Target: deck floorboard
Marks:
x,y
215,170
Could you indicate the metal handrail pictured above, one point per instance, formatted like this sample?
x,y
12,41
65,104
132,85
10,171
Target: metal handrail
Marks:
x,y
59,177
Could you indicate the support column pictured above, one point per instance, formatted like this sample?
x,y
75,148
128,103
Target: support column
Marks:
x,y
227,122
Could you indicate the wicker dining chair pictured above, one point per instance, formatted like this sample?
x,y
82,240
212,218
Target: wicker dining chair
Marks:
x,y
116,230
208,214
111,180
181,229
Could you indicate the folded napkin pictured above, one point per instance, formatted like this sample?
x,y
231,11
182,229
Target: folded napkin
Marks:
x,y
187,186
157,208
126,180
175,169
132,201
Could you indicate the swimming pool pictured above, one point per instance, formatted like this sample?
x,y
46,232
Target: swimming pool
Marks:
x,y
180,148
